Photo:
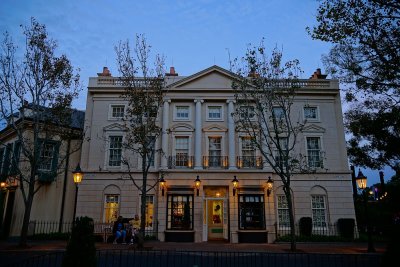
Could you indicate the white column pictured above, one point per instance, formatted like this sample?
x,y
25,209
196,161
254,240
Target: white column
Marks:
x,y
197,142
164,138
231,135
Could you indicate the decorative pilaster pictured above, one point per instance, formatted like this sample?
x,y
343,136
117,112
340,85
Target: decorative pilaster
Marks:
x,y
231,135
197,142
164,138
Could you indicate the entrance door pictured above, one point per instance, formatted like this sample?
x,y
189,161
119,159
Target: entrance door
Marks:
x,y
215,219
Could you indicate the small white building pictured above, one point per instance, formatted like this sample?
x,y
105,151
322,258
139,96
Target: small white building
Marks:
x,y
200,140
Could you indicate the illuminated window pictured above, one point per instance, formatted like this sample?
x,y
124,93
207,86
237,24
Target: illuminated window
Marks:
x,y
111,208
180,212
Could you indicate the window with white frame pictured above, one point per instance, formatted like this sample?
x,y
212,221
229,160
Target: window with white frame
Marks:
x,y
182,113
149,211
314,152
278,113
283,211
214,113
311,113
46,156
248,159
115,151
318,210
281,155
181,151
214,151
251,212
111,208
117,111
247,112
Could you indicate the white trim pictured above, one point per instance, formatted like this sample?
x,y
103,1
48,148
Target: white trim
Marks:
x,y
321,143
317,119
175,118
108,134
110,111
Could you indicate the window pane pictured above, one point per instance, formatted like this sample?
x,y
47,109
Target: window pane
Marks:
x,y
180,212
310,113
214,112
111,208
314,152
278,113
118,111
318,211
115,151
182,151
46,156
182,112
214,151
251,209
283,211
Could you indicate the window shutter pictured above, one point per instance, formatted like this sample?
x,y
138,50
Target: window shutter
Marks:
x,y
15,158
6,164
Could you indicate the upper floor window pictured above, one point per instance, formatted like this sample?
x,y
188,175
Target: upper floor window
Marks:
x,y
281,153
182,113
278,113
182,151
311,113
247,112
214,152
318,210
115,151
214,113
314,152
46,156
151,111
117,111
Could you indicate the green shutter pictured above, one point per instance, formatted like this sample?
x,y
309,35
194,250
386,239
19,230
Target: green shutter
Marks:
x,y
6,161
15,158
54,163
50,176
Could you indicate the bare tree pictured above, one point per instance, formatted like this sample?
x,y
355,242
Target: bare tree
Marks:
x,y
144,85
36,92
265,91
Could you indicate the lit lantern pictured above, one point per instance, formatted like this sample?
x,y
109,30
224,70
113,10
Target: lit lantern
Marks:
x,y
197,184
270,185
235,183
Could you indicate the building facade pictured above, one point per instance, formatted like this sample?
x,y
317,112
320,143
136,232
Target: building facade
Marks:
x,y
200,140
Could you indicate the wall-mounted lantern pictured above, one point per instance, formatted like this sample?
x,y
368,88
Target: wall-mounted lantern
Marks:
x,y
235,183
197,184
162,184
270,184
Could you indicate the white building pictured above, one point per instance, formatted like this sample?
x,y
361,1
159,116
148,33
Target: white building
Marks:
x,y
200,139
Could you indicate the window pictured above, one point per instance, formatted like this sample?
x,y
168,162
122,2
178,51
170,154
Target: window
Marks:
x,y
251,212
1,159
151,156
214,151
182,151
248,153
180,212
283,211
311,113
111,208
182,113
318,210
247,112
117,111
46,156
149,212
278,113
152,111
115,151
314,152
214,113
281,157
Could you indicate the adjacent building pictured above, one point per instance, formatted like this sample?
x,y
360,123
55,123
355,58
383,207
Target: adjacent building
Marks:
x,y
200,142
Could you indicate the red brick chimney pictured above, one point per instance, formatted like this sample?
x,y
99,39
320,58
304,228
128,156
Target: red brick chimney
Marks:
x,y
317,75
171,72
105,72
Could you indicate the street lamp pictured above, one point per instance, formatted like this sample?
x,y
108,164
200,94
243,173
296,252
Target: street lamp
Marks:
x,y
361,180
162,184
197,183
235,183
77,174
270,184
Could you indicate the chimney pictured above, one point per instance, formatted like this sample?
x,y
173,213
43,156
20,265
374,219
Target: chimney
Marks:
x,y
171,72
105,72
318,75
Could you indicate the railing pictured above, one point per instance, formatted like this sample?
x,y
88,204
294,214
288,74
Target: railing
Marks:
x,y
180,161
249,162
215,162
156,258
48,227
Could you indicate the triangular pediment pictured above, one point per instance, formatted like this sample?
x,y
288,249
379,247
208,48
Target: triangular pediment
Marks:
x,y
313,129
114,127
182,127
215,128
211,78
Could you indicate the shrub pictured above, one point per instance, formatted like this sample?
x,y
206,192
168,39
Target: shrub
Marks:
x,y
346,227
81,250
305,226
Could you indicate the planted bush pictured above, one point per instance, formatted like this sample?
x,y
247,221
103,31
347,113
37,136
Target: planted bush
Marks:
x,y
346,227
81,250
305,226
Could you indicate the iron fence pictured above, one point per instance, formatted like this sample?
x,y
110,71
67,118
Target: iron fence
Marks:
x,y
48,227
170,258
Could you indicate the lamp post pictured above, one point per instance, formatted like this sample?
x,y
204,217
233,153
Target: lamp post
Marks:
x,y
270,184
361,180
78,176
235,183
197,183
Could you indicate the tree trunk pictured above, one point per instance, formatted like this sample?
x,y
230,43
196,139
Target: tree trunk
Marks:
x,y
25,223
291,218
140,241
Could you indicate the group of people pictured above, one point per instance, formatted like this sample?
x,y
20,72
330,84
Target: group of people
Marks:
x,y
124,234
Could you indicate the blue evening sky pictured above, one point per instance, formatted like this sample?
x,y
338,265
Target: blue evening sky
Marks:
x,y
191,34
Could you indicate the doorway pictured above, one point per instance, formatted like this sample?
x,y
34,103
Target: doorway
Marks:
x,y
215,219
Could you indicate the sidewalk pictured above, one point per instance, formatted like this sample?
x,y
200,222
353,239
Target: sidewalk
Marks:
x,y
327,248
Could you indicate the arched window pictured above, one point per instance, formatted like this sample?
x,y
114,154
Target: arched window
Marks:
x,y
112,198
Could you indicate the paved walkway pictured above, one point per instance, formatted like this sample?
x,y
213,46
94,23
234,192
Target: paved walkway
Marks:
x,y
334,248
